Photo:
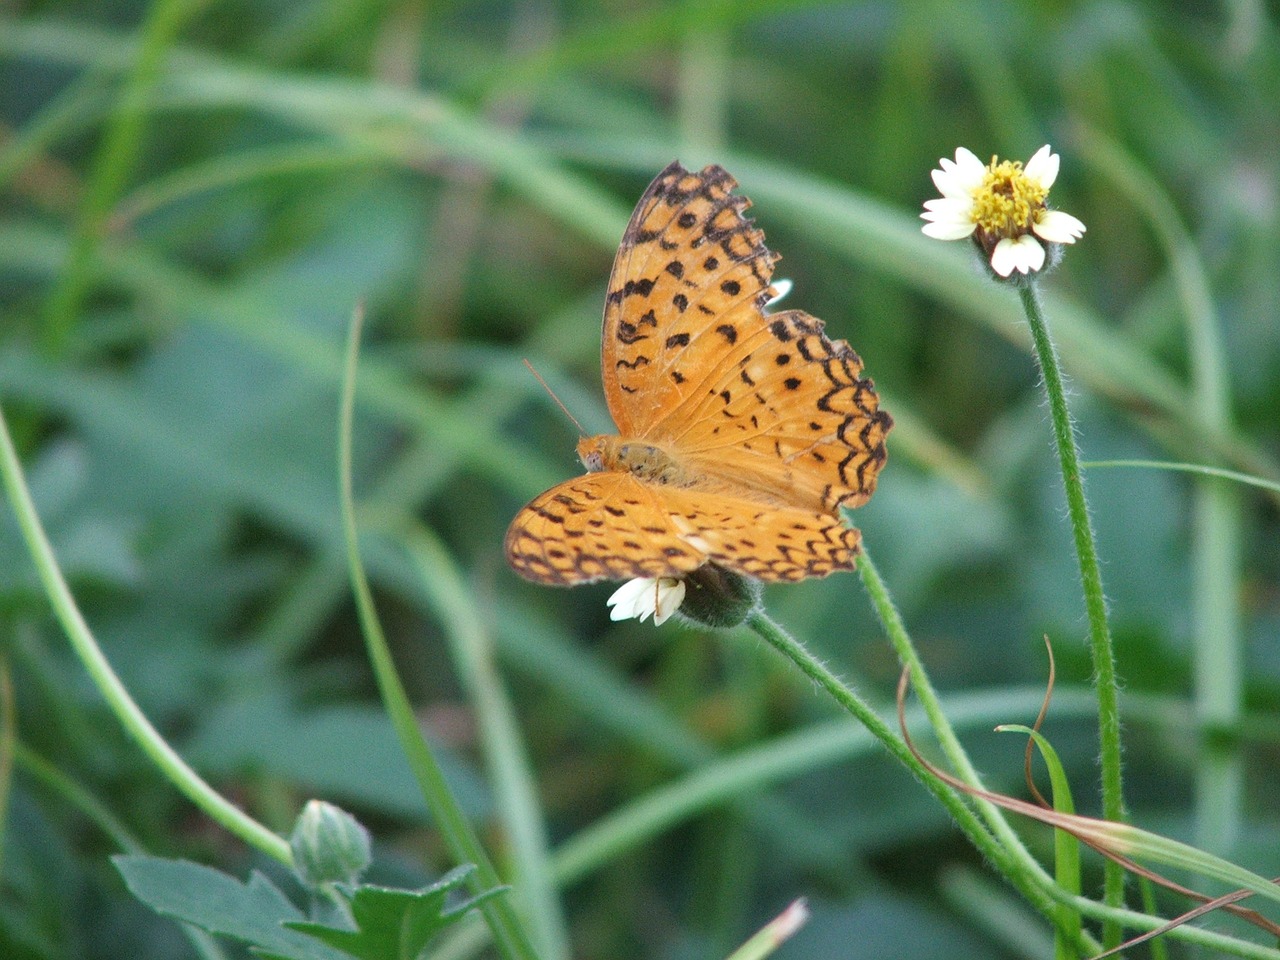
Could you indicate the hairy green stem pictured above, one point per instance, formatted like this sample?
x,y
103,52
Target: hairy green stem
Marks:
x,y
1023,872
1104,667
84,643
1216,508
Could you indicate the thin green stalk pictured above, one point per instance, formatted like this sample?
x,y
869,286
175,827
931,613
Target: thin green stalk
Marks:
x,y
1245,478
456,830
1216,516
891,620
131,717
1104,667
702,81
77,797
509,769
1023,873
1067,928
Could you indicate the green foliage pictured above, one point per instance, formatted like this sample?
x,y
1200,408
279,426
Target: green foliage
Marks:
x,y
393,924
255,912
386,924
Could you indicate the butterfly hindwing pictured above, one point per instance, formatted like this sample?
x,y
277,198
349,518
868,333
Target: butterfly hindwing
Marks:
x,y
601,526
612,526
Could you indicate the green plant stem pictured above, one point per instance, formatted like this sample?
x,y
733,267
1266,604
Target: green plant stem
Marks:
x,y
76,797
1216,513
131,717
1104,667
508,933
1068,928
509,768
1025,874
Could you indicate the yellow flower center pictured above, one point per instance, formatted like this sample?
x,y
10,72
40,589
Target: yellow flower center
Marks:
x,y
1008,201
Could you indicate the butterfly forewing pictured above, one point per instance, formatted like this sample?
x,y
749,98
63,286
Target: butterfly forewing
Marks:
x,y
788,414
687,258
692,361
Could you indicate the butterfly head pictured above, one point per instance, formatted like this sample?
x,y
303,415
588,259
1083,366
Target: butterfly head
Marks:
x,y
594,452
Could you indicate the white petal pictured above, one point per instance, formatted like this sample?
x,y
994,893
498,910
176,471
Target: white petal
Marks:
x,y
947,230
1023,254
633,599
957,209
960,177
783,287
1058,227
948,184
1032,252
1002,257
1043,167
959,213
670,596
969,168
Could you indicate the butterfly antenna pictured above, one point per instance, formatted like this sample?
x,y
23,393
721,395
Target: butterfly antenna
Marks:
x,y
559,403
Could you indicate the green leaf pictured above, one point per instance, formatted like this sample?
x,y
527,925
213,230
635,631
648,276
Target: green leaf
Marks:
x,y
255,913
394,924
1066,847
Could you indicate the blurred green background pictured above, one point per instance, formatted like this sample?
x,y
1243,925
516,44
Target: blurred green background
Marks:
x,y
195,195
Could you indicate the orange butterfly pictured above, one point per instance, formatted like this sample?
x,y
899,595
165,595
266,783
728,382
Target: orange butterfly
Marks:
x,y
741,433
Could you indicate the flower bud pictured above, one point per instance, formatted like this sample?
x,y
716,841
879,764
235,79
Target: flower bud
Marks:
x,y
329,845
716,597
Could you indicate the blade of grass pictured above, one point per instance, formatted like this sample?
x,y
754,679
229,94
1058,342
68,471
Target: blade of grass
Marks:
x,y
240,168
457,831
473,657
120,146
8,745
1245,478
1066,848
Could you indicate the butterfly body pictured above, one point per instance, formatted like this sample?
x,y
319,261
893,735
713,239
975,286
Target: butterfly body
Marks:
x,y
648,462
741,433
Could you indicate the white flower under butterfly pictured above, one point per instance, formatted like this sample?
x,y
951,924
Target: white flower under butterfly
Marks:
x,y
645,596
1001,205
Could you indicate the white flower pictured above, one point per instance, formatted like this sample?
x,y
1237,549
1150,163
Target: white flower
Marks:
x,y
1001,205
783,287
644,596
